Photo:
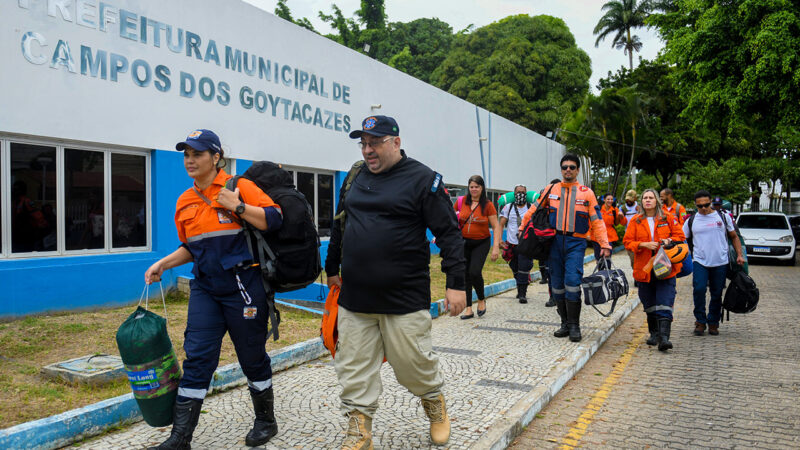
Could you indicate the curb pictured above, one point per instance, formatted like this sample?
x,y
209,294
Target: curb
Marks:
x,y
71,426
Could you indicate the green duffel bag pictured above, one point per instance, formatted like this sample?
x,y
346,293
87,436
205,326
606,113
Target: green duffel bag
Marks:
x,y
152,366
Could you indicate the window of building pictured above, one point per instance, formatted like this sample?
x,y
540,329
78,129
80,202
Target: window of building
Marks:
x,y
66,199
317,187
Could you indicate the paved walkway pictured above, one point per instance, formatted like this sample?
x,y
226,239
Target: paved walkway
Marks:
x,y
740,389
490,364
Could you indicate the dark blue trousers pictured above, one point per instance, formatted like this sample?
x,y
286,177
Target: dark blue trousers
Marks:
x,y
658,297
215,307
521,267
712,278
566,267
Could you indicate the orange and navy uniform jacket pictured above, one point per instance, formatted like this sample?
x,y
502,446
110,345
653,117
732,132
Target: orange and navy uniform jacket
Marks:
x,y
573,212
211,232
609,215
639,231
676,210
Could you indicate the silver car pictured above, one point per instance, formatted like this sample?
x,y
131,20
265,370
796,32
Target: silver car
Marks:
x,y
767,235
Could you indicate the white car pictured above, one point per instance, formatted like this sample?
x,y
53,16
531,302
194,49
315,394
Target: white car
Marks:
x,y
767,235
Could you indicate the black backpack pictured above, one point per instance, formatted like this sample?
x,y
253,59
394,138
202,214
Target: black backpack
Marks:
x,y
290,258
741,296
538,234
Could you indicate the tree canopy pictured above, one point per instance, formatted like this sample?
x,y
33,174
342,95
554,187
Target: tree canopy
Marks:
x,y
526,69
737,65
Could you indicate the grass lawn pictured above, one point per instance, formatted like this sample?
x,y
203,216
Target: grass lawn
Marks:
x,y
28,344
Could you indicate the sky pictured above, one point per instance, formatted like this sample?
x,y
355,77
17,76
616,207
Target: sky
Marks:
x,y
581,16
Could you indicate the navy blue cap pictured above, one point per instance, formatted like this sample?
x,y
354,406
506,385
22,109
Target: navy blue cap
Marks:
x,y
377,126
201,140
716,201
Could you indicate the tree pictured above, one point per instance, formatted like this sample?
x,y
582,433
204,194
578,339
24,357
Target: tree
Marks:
x,y
632,109
737,65
347,29
428,41
526,69
282,10
620,17
726,179
666,140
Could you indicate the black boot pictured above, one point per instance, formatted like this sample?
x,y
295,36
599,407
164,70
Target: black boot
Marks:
x,y
264,426
561,307
574,321
664,326
652,326
522,291
550,302
184,419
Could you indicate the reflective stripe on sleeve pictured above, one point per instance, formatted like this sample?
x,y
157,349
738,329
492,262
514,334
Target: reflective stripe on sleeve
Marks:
x,y
211,234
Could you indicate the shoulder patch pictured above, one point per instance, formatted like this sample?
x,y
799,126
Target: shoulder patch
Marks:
x,y
437,181
583,188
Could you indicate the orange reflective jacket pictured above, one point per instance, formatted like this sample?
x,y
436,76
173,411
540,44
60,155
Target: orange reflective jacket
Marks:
x,y
610,217
676,210
639,231
573,212
211,232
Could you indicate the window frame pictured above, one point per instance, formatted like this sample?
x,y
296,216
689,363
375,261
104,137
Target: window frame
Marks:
x,y
315,206
60,147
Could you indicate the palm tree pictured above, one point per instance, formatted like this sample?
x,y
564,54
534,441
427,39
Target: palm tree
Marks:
x,y
632,107
620,17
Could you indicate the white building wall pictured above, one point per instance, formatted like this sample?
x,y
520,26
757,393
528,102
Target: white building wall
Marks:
x,y
58,102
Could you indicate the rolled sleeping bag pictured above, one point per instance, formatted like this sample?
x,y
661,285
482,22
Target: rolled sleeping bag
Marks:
x,y
151,364
508,197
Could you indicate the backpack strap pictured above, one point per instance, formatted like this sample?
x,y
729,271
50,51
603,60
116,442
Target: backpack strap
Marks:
x,y
689,238
459,203
266,260
352,174
222,211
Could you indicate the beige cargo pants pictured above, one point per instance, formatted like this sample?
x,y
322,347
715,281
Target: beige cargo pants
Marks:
x,y
405,341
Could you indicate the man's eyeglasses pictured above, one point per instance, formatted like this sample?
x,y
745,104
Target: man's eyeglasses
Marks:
x,y
569,167
704,205
374,144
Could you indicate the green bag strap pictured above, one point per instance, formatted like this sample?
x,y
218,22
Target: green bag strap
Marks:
x,y
355,170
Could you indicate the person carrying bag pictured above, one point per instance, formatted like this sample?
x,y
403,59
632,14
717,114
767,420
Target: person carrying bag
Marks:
x,y
646,236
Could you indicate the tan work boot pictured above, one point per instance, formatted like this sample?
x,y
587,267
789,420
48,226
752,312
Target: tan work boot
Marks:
x,y
358,435
440,421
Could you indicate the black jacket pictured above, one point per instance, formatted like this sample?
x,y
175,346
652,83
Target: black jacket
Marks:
x,y
385,265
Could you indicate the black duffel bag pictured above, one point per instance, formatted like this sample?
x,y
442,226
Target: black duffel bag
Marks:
x,y
605,284
537,236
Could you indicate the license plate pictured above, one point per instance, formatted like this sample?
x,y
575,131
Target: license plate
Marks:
x,y
761,249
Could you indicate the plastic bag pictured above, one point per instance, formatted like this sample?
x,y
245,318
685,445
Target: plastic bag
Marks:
x,y
662,266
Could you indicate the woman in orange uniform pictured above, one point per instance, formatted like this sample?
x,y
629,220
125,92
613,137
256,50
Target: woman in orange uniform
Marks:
x,y
227,294
645,234
611,216
476,213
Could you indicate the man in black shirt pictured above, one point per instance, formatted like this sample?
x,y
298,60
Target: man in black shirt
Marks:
x,y
385,300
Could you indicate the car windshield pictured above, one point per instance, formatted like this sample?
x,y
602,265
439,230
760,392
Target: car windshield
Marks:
x,y
763,222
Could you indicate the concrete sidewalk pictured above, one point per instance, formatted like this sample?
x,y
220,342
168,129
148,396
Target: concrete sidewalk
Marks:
x,y
499,370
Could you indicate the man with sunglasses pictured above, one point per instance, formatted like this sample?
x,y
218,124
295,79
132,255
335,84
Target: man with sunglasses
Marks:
x,y
381,245
575,215
708,237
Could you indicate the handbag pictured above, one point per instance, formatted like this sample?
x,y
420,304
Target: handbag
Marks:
x,y
538,234
605,284
508,252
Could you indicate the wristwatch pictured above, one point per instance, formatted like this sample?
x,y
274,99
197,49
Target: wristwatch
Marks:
x,y
240,209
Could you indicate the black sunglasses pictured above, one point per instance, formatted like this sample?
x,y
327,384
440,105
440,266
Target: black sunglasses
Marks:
x,y
704,205
572,167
